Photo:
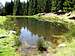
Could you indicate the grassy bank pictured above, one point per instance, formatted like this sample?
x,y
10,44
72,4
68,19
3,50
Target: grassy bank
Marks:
x,y
7,40
69,49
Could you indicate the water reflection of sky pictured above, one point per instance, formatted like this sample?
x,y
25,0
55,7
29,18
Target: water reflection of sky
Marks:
x,y
27,36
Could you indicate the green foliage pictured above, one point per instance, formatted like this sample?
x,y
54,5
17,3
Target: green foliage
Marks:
x,y
8,41
48,6
9,8
7,44
32,7
69,50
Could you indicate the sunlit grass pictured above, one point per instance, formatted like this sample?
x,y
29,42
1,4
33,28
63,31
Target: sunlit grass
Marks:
x,y
69,50
7,43
2,19
7,40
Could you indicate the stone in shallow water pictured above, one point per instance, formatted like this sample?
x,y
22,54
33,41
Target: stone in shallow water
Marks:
x,y
61,45
12,31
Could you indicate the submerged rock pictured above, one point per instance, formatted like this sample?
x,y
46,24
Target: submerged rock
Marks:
x,y
61,45
12,32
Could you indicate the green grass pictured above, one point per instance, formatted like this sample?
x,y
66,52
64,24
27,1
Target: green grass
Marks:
x,y
69,50
2,19
7,41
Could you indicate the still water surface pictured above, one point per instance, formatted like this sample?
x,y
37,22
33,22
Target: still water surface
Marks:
x,y
32,30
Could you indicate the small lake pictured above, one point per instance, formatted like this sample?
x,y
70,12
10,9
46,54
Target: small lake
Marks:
x,y
31,30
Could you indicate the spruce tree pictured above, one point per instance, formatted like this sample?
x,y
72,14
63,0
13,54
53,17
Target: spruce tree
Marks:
x,y
48,6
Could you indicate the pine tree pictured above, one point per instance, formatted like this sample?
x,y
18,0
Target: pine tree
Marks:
x,y
11,5
24,8
48,6
27,7
15,7
60,5
35,7
19,8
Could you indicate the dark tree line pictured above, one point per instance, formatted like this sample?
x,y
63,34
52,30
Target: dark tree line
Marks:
x,y
32,7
